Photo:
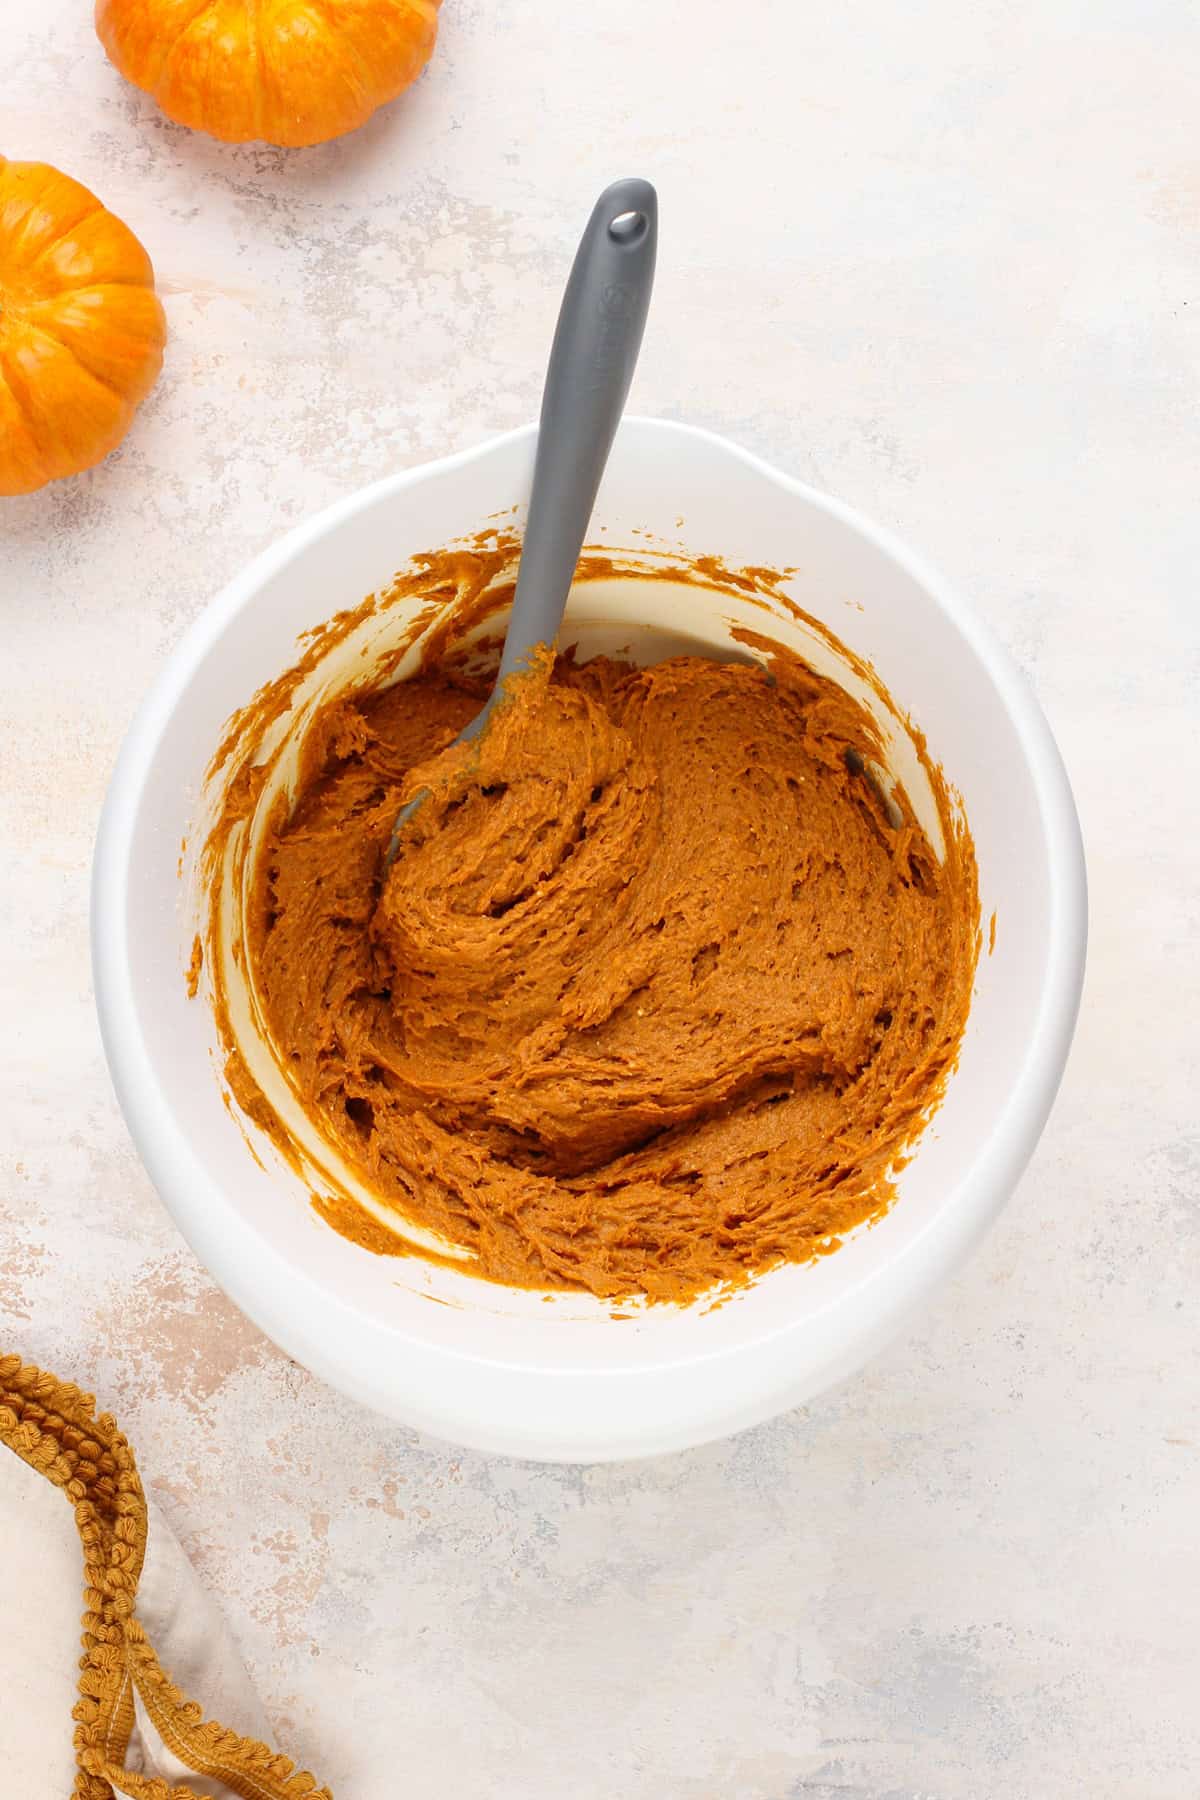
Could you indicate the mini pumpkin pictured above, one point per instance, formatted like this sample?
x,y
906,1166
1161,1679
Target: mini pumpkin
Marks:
x,y
81,328
290,72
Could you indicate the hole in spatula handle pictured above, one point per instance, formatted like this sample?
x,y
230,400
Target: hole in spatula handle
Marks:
x,y
628,227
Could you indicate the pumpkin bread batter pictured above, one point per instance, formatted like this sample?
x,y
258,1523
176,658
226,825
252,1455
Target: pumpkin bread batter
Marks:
x,y
659,989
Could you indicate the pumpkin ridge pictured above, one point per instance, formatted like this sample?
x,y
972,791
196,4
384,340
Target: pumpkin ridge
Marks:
x,y
179,45
169,50
426,10
319,10
118,395
60,237
255,29
69,350
21,391
370,82
11,309
126,283
40,467
383,93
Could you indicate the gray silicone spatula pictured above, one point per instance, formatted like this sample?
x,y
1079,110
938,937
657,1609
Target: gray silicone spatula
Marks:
x,y
592,360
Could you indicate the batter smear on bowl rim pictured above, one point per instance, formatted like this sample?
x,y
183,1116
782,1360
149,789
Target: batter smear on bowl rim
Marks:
x,y
659,991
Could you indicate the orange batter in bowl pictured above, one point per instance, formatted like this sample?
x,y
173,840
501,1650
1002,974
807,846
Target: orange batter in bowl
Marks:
x,y
659,991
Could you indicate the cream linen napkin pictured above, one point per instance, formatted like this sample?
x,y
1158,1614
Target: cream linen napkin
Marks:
x,y
149,1628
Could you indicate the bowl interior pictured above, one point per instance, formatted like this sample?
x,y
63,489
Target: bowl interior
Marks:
x,y
666,488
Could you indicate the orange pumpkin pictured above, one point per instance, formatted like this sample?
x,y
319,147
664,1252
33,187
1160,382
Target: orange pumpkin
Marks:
x,y
288,71
81,329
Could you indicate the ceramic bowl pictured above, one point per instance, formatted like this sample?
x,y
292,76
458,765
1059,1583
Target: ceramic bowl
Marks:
x,y
495,1368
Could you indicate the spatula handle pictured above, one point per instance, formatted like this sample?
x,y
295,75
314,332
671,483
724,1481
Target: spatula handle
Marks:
x,y
592,360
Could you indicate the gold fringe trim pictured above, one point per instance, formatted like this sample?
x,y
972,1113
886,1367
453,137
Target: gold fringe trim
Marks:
x,y
53,1426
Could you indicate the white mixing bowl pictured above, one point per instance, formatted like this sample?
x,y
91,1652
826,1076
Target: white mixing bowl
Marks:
x,y
496,1368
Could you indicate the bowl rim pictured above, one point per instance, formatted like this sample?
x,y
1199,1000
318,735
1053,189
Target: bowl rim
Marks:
x,y
769,1380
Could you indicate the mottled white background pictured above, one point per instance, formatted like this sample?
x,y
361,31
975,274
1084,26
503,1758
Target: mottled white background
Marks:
x,y
943,260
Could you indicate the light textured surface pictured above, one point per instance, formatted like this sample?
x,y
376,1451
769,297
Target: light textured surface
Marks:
x,y
944,261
